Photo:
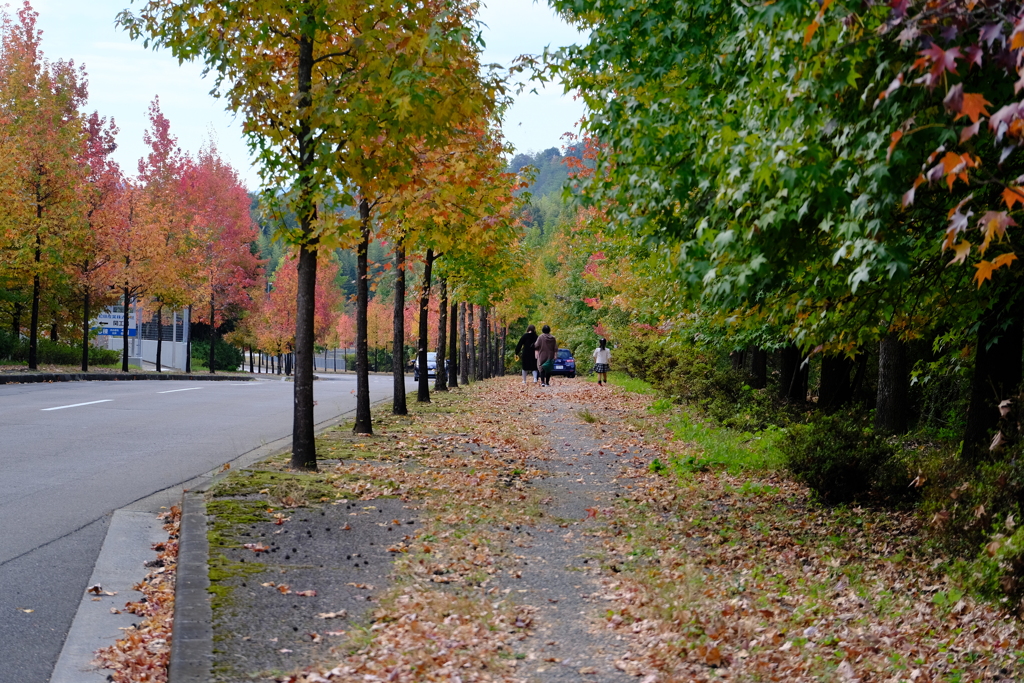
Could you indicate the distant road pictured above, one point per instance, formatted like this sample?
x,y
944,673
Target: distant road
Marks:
x,y
72,453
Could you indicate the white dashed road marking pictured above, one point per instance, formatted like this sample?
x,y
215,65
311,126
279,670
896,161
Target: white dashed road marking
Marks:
x,y
176,390
75,405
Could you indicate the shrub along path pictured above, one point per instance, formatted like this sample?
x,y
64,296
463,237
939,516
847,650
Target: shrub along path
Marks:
x,y
544,546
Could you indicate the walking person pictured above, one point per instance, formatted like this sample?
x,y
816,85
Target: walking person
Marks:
x,y
527,354
602,361
547,349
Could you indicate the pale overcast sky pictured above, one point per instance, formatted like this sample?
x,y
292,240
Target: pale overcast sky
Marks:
x,y
124,78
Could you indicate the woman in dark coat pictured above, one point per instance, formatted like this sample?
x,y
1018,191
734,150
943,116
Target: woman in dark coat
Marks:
x,y
547,349
524,349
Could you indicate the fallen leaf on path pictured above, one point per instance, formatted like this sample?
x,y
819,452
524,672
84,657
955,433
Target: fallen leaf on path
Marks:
x,y
340,614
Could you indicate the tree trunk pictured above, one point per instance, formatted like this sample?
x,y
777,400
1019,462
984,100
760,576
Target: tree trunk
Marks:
x,y
495,344
33,330
303,436
364,422
463,345
758,368
159,335
398,401
441,384
481,371
471,351
793,385
453,338
188,343
124,333
997,372
737,359
16,319
891,413
213,336
423,392
303,439
492,345
504,349
53,332
834,387
86,315
252,362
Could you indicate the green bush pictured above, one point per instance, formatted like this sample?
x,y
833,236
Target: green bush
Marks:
x,y
701,376
227,357
998,573
840,459
14,348
11,346
53,353
962,501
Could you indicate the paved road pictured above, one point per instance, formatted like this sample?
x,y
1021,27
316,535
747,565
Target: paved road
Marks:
x,y
72,453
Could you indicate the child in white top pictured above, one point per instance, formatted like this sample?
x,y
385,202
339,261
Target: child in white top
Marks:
x,y
602,360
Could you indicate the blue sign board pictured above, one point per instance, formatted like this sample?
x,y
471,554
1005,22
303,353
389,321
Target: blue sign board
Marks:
x,y
116,332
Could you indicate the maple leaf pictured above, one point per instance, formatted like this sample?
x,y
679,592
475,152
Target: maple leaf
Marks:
x,y
990,33
973,106
970,131
999,122
954,99
994,224
895,137
973,54
1012,195
961,250
942,61
984,272
1003,260
896,83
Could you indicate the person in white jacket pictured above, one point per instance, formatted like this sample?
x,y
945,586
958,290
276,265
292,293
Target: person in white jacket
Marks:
x,y
602,361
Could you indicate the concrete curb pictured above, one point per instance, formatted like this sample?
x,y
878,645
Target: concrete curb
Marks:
x,y
192,642
118,568
111,377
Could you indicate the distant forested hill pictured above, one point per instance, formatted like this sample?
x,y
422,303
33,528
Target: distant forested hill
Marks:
x,y
551,170
546,206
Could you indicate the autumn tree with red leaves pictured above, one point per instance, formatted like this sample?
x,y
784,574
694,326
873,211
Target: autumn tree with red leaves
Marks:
x,y
43,215
221,233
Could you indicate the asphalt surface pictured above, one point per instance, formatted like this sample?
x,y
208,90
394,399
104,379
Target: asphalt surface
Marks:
x,y
73,453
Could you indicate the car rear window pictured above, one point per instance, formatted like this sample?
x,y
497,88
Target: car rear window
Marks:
x,y
564,354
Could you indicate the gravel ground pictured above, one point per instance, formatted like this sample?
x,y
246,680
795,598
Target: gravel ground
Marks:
x,y
559,577
262,632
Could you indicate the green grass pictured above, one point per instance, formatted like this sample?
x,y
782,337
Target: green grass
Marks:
x,y
621,379
721,447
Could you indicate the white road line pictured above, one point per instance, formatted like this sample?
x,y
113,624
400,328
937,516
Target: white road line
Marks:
x,y
175,390
75,405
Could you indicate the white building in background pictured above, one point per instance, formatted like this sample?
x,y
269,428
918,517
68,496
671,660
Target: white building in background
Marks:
x,y
142,337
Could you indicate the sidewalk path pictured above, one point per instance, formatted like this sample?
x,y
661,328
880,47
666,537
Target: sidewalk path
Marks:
x,y
526,538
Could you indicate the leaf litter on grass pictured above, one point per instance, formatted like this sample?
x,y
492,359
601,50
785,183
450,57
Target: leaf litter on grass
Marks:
x,y
702,575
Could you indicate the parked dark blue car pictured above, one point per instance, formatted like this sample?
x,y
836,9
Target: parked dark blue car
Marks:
x,y
565,364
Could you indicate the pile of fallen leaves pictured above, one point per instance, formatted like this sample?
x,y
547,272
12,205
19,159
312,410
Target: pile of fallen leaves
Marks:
x,y
428,635
144,652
